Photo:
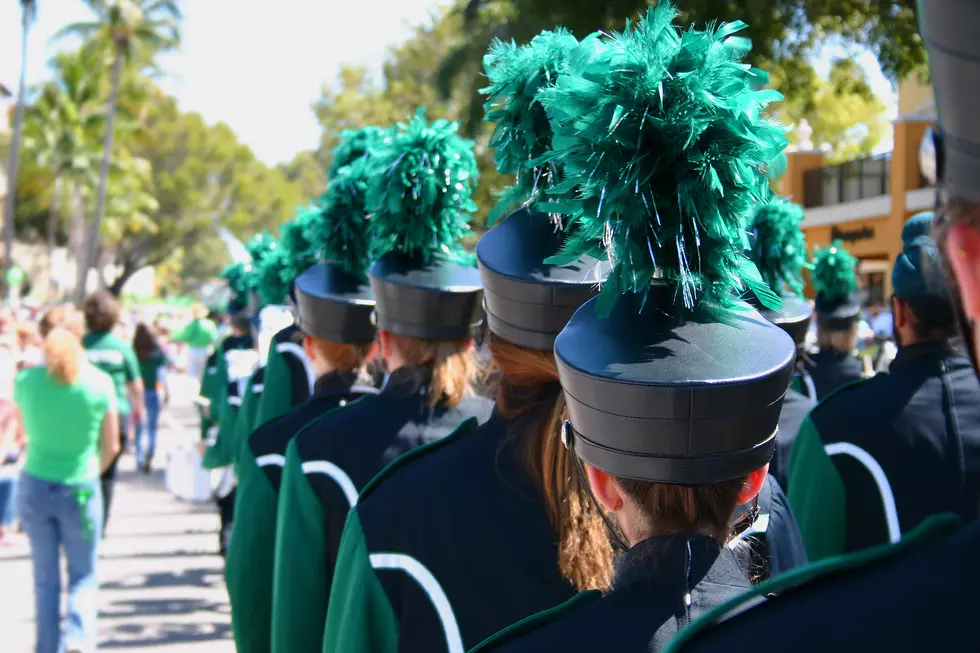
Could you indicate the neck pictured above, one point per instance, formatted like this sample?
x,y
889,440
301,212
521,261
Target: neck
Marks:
x,y
322,367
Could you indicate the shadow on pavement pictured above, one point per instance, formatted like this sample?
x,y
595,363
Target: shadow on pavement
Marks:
x,y
135,635
159,607
200,577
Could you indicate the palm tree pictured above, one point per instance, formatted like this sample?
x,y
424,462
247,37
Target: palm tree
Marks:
x,y
61,134
28,10
133,31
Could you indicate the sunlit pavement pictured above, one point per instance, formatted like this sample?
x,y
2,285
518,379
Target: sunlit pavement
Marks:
x,y
162,585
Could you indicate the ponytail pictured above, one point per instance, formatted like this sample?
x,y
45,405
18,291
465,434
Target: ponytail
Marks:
x,y
451,362
63,354
529,387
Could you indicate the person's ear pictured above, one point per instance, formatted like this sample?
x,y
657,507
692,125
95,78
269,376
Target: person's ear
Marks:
x,y
900,312
605,489
385,343
752,485
963,252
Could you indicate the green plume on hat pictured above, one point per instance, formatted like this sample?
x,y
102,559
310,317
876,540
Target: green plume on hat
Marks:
x,y
355,144
258,247
663,135
778,245
834,272
236,276
299,253
523,133
420,190
338,229
270,276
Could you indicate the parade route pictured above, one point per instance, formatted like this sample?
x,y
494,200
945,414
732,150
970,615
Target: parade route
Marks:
x,y
161,582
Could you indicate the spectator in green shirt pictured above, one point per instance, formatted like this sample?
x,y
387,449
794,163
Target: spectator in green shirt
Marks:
x,y
117,359
152,362
68,408
199,335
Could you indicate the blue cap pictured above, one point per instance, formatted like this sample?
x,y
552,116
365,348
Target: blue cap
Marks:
x,y
918,269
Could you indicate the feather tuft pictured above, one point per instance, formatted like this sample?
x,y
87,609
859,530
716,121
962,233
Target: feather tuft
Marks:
x,y
355,144
270,283
662,133
778,245
236,276
298,252
420,191
834,273
522,132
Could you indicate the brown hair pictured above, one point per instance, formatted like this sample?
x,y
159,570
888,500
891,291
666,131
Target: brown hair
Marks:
x,y
451,362
101,312
842,341
528,381
61,316
144,342
342,356
686,509
63,354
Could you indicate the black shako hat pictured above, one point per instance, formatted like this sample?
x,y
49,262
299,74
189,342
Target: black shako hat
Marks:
x,y
685,401
438,299
668,376
334,305
527,301
793,318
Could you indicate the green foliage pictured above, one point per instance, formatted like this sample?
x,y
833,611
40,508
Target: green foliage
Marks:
x,y
523,133
306,173
843,111
834,272
778,245
662,135
420,191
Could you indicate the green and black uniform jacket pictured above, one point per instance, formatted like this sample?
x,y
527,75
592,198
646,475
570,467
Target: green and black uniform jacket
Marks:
x,y
917,595
326,466
245,424
470,553
220,453
215,381
645,609
252,552
876,458
289,376
830,370
796,407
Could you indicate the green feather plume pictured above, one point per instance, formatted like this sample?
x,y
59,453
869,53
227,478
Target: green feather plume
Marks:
x,y
420,191
522,133
354,145
779,245
339,229
834,272
269,276
259,247
236,276
299,252
663,137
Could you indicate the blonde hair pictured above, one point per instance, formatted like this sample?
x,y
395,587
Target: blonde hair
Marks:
x,y
529,379
63,353
841,341
451,362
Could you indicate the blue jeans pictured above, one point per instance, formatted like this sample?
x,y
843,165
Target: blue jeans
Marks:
x,y
144,452
8,497
59,517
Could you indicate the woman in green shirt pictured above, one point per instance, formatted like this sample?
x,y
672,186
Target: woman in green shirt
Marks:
x,y
152,362
69,412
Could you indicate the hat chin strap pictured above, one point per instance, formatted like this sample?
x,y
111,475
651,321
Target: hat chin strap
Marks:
x,y
566,439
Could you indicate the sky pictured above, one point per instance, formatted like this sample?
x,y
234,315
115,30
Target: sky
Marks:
x,y
258,69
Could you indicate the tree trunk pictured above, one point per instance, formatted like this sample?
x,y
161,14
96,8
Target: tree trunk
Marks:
x,y
11,199
53,218
92,246
76,240
116,287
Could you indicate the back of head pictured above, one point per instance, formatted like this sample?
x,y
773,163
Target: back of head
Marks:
x,y
101,311
450,361
241,323
144,341
63,353
61,316
917,281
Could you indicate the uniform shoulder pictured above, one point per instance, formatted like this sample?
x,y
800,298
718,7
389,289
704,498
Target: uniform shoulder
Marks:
x,y
536,622
793,585
840,397
406,459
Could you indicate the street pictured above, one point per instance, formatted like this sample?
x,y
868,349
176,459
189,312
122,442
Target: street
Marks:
x,y
162,584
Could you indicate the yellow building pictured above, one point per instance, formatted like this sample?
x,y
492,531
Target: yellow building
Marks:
x,y
866,202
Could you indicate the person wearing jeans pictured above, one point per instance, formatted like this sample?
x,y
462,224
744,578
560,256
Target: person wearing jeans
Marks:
x,y
70,419
152,361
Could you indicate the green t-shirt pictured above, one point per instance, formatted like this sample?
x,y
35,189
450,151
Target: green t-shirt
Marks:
x,y
117,359
198,334
150,369
63,422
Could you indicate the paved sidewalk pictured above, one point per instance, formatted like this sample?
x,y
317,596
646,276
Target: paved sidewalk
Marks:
x,y
162,586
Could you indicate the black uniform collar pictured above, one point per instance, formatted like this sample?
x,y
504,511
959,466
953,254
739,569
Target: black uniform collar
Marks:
x,y
926,352
334,383
408,380
678,561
